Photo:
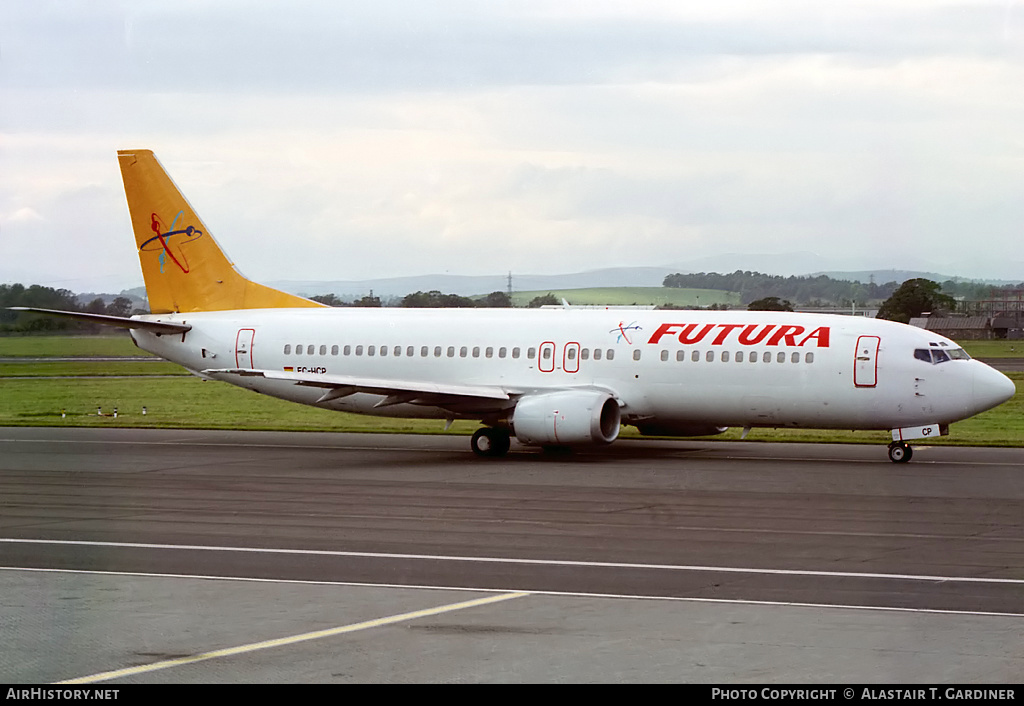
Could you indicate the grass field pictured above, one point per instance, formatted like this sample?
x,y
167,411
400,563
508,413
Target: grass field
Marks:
x,y
187,402
113,346
78,388
629,296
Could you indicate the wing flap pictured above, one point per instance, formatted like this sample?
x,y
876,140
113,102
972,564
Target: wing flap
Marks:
x,y
396,391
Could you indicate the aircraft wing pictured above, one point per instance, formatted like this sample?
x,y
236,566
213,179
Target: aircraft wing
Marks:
x,y
395,391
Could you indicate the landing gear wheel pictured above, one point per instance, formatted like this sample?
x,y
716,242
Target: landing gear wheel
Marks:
x,y
490,442
900,452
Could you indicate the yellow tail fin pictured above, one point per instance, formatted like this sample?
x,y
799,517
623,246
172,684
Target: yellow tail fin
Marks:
x,y
184,268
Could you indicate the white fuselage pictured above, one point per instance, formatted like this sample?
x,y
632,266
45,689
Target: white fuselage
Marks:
x,y
681,368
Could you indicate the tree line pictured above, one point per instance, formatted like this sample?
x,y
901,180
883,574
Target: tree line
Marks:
x,y
819,290
41,297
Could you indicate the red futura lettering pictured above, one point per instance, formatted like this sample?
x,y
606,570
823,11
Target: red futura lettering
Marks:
x,y
689,334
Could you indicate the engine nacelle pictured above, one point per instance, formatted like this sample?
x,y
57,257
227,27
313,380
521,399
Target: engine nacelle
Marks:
x,y
569,418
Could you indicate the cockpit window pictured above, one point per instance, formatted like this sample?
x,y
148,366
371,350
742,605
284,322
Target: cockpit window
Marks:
x,y
936,356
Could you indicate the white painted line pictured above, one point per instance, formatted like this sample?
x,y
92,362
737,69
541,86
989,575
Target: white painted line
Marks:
x,y
532,562
568,594
283,641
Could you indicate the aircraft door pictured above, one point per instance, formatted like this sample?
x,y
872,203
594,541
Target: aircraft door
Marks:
x,y
865,364
243,348
546,357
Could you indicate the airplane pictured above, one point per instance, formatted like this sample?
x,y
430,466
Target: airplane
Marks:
x,y
553,378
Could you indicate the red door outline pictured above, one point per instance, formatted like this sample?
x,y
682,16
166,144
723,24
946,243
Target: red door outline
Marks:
x,y
571,365
865,364
243,348
549,346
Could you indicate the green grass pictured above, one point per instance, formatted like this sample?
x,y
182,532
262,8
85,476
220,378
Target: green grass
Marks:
x,y
187,402
994,349
113,346
90,368
640,296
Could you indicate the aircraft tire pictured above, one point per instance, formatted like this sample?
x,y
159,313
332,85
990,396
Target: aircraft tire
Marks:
x,y
900,452
490,442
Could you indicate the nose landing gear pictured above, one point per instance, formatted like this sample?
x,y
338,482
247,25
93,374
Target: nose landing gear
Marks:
x,y
900,452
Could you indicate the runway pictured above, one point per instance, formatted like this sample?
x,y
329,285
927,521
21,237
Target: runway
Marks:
x,y
646,561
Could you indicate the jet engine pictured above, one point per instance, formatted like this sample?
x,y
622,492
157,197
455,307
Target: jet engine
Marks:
x,y
568,418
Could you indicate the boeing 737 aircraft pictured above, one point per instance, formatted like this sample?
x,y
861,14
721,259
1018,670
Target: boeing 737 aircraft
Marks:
x,y
550,377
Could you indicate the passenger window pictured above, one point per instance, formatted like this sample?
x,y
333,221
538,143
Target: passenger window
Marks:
x,y
298,350
334,349
489,352
571,354
371,350
725,356
398,351
767,357
610,354
463,351
636,354
808,357
695,356
287,349
424,350
347,350
664,355
680,355
476,351
323,350
451,351
709,356
310,350
515,352
383,351
753,356
530,353
502,352
597,354
780,357
795,358
359,350
410,351
437,351
739,356
584,354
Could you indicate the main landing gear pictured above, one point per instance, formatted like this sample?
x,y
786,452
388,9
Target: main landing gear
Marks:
x,y
491,441
900,452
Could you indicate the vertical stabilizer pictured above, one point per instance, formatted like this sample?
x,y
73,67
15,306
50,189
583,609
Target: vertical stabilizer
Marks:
x,y
184,268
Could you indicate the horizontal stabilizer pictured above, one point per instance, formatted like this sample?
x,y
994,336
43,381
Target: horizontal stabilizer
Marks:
x,y
157,327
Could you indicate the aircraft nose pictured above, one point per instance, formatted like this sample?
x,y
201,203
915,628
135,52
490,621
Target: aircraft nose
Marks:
x,y
991,387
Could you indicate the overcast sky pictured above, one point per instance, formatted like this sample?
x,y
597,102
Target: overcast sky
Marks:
x,y
338,140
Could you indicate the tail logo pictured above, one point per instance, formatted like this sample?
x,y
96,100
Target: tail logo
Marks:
x,y
169,241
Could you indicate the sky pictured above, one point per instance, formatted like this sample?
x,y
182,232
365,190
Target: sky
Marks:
x,y
331,140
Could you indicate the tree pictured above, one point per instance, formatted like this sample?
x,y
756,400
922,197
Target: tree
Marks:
x,y
496,300
121,306
545,300
328,299
770,304
913,298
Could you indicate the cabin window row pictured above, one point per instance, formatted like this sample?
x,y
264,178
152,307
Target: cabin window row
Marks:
x,y
739,356
442,351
